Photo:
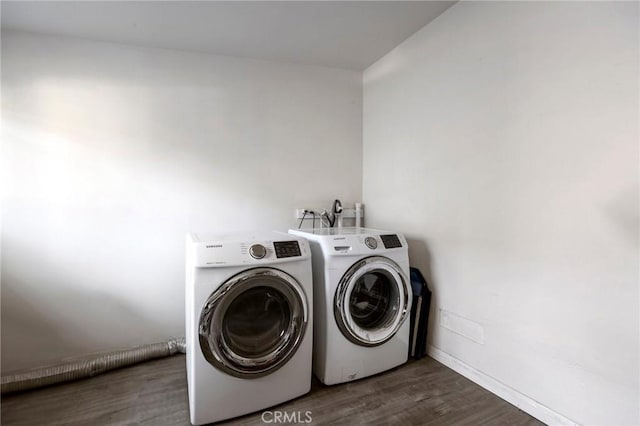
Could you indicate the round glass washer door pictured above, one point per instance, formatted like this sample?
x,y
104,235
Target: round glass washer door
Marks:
x,y
371,301
253,324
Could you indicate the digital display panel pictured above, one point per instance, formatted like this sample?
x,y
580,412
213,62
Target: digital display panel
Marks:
x,y
286,249
391,241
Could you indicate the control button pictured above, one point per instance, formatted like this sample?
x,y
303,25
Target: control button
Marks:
x,y
371,242
257,251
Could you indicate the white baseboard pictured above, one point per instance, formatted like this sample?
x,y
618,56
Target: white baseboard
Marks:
x,y
520,400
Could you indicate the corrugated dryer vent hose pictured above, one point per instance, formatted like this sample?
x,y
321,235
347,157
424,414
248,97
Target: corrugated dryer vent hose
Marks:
x,y
90,366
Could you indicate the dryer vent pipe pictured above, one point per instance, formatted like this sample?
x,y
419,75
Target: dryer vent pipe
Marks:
x,y
90,366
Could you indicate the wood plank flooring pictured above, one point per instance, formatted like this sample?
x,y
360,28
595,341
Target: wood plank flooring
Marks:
x,y
155,393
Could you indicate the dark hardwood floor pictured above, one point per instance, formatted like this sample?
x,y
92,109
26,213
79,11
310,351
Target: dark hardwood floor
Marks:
x,y
155,393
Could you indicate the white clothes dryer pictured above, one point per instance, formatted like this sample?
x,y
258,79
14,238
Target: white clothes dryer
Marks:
x,y
362,298
249,310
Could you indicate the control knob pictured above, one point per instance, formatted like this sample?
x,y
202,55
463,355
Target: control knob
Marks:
x,y
371,242
257,251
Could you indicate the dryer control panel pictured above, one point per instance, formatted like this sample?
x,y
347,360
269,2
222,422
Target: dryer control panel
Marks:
x,y
206,251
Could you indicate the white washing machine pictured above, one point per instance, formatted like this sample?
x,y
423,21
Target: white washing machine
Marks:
x,y
249,323
362,297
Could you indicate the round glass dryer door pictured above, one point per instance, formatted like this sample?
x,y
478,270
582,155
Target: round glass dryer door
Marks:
x,y
371,301
252,325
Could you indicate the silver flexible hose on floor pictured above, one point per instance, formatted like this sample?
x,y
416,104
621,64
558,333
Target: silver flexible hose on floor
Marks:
x,y
90,366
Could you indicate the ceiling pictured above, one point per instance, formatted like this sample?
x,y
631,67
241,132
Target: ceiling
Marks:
x,y
342,34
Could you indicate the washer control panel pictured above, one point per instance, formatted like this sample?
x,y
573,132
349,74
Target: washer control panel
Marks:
x,y
286,249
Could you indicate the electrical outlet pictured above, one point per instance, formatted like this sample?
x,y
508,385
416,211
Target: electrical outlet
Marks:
x,y
300,213
346,213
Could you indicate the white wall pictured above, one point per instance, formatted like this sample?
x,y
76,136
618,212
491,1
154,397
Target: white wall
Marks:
x,y
111,153
502,138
